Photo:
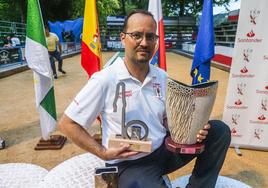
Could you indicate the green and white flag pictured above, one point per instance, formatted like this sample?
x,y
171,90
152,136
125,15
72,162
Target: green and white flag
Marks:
x,y
37,57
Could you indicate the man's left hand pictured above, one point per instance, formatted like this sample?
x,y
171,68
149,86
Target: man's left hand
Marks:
x,y
202,134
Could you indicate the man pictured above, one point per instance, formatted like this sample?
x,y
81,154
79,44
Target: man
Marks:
x,y
15,41
52,41
7,42
138,170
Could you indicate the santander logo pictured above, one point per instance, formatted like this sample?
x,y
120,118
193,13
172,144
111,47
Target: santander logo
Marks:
x,y
244,70
251,34
266,87
262,117
233,131
238,102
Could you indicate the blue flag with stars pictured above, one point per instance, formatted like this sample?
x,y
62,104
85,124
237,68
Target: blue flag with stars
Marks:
x,y
204,49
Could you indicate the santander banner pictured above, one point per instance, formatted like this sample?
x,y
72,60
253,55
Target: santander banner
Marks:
x,y
246,104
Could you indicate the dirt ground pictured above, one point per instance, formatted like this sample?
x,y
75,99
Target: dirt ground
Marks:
x,y
19,120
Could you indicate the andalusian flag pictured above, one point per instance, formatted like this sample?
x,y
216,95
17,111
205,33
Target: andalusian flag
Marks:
x,y
38,60
204,49
159,57
91,45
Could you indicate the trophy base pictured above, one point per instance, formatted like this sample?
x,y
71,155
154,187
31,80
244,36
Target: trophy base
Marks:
x,y
53,143
183,148
115,141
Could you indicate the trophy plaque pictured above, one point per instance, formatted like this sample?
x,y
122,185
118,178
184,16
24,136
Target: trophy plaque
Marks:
x,y
188,109
131,132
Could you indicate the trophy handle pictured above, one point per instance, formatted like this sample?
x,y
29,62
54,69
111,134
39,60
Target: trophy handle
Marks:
x,y
124,128
121,84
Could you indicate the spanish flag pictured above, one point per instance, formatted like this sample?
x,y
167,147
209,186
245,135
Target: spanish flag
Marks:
x,y
90,58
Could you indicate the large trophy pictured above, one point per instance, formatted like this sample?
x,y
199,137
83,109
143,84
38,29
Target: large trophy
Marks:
x,y
188,110
131,133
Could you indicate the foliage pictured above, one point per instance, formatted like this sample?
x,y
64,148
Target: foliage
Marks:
x,y
106,8
15,10
138,4
12,10
60,10
188,7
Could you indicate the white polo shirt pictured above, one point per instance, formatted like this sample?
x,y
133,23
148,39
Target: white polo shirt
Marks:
x,y
145,102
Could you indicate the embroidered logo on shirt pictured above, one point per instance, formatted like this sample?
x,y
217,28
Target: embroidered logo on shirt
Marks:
x,y
157,88
127,94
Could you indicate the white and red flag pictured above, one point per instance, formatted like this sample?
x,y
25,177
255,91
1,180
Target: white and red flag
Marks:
x,y
159,57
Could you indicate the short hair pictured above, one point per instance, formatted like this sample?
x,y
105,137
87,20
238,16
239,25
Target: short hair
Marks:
x,y
46,27
137,11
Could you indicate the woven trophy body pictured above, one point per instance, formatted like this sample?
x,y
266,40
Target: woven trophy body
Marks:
x,y
188,109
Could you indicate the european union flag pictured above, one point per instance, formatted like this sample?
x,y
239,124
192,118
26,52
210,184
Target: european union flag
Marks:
x,y
204,49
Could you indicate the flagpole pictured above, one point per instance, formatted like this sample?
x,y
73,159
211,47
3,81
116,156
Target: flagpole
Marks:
x,y
37,56
91,59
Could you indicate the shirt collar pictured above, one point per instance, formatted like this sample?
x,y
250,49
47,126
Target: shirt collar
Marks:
x,y
124,74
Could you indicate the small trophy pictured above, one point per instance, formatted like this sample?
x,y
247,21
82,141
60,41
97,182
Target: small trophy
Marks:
x,y
188,109
131,133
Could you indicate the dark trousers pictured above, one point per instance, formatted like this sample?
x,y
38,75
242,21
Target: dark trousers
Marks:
x,y
148,171
55,54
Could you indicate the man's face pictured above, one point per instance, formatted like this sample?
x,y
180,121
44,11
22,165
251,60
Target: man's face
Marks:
x,y
47,32
137,39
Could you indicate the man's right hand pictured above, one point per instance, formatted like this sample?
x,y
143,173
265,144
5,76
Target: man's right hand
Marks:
x,y
82,138
118,153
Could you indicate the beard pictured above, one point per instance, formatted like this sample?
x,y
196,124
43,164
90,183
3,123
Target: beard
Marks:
x,y
143,55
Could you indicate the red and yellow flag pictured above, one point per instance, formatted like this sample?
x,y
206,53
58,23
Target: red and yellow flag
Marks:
x,y
90,56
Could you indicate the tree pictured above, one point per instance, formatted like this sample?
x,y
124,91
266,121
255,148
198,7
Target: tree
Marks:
x,y
171,7
9,10
107,8
53,10
188,7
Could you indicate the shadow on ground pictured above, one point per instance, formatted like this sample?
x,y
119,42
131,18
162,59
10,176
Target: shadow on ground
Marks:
x,y
253,178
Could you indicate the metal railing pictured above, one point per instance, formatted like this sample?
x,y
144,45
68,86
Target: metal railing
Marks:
x,y
15,56
8,28
12,56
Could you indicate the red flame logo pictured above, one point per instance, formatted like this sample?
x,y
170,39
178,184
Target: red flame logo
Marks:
x,y
266,87
238,102
233,130
251,34
262,117
244,70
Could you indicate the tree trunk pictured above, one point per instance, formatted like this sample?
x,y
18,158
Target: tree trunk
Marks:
x,y
182,7
22,4
123,7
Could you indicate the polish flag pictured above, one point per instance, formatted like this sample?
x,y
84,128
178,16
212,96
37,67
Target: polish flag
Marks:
x,y
159,57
